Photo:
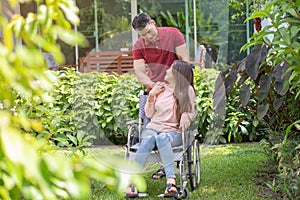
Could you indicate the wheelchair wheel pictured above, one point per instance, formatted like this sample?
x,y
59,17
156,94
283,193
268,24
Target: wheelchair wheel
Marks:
x,y
186,194
134,134
132,138
194,165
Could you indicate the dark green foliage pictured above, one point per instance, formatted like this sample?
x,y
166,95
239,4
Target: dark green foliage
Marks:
x,y
268,83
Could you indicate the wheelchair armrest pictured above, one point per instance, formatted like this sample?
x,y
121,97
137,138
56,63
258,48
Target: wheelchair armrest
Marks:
x,y
187,138
132,122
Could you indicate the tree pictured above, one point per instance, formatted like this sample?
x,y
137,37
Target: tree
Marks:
x,y
31,168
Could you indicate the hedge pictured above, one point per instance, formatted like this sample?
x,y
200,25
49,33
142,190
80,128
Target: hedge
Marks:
x,y
93,108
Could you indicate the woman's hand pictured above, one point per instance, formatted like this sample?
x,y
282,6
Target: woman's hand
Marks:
x,y
185,122
157,89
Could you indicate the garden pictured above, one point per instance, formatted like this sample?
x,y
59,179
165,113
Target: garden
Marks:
x,y
52,123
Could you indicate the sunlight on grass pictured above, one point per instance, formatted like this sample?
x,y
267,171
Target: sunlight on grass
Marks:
x,y
209,190
217,150
227,172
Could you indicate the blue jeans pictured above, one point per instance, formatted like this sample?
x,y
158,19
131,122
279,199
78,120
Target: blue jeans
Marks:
x,y
164,142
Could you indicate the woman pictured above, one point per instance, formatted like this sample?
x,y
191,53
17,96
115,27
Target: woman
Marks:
x,y
170,106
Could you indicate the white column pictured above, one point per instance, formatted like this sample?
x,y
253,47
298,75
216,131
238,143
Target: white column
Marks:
x,y
76,51
133,14
247,25
96,25
187,27
195,28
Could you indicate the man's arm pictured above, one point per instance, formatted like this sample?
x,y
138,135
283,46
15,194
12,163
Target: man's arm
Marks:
x,y
182,53
140,71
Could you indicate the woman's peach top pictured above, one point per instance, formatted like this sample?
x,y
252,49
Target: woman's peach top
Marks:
x,y
162,111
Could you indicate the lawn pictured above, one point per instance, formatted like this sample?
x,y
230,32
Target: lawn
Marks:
x,y
227,172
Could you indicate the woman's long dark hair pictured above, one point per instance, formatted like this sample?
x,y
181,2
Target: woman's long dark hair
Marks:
x,y
184,77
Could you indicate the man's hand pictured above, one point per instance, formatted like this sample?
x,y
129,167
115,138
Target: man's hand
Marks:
x,y
140,71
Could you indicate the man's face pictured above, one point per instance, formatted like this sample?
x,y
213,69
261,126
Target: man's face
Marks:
x,y
149,33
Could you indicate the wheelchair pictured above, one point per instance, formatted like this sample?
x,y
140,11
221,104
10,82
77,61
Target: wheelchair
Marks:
x,y
187,156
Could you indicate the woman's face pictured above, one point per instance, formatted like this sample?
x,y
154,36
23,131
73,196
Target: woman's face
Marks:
x,y
169,77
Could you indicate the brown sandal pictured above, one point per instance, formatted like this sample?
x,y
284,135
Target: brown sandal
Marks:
x,y
172,194
136,194
159,173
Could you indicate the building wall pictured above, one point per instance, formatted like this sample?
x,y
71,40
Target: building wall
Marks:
x,y
107,26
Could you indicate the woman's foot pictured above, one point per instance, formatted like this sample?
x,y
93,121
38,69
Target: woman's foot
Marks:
x,y
159,173
171,187
131,191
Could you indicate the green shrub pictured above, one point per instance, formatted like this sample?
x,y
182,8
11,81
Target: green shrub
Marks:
x,y
269,78
87,108
204,86
93,108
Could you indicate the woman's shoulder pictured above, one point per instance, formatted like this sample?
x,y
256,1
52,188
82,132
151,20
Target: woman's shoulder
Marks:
x,y
168,88
191,90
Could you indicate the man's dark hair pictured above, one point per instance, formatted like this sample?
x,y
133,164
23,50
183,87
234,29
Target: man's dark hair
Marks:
x,y
140,21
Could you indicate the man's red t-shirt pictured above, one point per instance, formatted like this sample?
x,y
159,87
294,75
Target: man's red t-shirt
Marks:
x,y
159,55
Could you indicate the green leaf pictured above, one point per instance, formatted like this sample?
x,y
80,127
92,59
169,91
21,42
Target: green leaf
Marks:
x,y
254,59
220,96
6,68
31,57
285,36
258,14
70,36
244,94
109,119
277,103
7,36
80,135
243,129
264,86
42,16
103,124
17,23
262,111
281,76
70,11
222,140
72,138
292,12
49,47
230,81
294,31
255,123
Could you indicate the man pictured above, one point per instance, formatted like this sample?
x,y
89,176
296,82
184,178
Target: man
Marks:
x,y
155,51
156,48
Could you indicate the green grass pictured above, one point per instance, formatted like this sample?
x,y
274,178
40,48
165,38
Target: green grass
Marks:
x,y
227,172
